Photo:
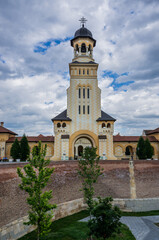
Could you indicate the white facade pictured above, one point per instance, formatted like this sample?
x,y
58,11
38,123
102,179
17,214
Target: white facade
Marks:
x,y
85,124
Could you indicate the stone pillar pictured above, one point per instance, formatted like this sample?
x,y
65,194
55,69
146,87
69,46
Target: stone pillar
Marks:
x,y
132,180
80,50
2,149
57,148
65,147
102,147
91,53
87,51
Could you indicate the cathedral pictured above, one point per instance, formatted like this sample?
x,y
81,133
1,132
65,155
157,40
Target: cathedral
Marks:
x,y
83,123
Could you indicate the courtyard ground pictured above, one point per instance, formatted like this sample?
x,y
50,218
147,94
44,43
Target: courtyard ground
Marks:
x,y
69,228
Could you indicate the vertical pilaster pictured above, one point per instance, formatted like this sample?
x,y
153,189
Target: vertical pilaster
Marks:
x,y
132,180
64,147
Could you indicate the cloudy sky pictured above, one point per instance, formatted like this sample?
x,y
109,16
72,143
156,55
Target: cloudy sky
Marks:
x,y
35,51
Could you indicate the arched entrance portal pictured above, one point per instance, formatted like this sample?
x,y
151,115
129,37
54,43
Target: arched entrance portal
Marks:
x,y
129,151
80,145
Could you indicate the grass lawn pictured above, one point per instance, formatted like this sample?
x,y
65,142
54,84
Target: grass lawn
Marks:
x,y
69,228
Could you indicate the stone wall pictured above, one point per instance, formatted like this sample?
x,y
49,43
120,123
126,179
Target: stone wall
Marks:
x,y
65,184
147,178
17,229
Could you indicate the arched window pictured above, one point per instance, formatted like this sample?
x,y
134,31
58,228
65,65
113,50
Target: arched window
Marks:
x,y
83,109
103,125
83,92
87,92
59,125
127,151
64,125
83,48
79,92
88,109
108,125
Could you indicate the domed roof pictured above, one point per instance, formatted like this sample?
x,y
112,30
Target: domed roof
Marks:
x,y
83,32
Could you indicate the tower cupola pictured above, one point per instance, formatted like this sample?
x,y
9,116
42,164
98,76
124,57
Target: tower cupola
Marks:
x,y
83,42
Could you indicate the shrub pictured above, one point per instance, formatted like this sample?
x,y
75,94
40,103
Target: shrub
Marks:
x,y
106,219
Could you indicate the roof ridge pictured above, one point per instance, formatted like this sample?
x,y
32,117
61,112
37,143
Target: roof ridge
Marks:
x,y
62,117
6,130
105,117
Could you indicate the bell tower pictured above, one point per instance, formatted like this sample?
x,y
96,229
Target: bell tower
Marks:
x,y
83,90
83,123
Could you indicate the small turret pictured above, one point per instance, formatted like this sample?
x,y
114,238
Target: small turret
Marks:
x,y
83,43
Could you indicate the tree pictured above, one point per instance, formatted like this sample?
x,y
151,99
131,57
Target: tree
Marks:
x,y
25,150
15,150
89,170
36,150
34,178
106,219
148,149
141,152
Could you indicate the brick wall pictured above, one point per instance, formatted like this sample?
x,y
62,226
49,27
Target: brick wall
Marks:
x,y
147,178
65,184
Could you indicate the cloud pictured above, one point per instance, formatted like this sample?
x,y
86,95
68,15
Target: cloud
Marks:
x,y
35,51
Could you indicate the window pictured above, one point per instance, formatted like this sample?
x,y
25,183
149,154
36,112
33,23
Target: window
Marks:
x,y
88,109
79,71
83,71
83,109
108,125
103,125
83,92
87,92
79,92
83,48
64,125
59,125
79,109
87,71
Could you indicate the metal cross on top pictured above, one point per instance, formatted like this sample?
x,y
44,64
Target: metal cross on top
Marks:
x,y
83,20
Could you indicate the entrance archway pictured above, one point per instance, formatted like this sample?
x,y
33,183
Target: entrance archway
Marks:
x,y
82,133
80,144
128,150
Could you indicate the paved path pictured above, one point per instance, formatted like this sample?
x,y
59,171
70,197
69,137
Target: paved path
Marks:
x,y
143,228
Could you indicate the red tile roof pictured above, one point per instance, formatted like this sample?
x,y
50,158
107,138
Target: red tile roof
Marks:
x,y
5,130
118,138
33,139
147,132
